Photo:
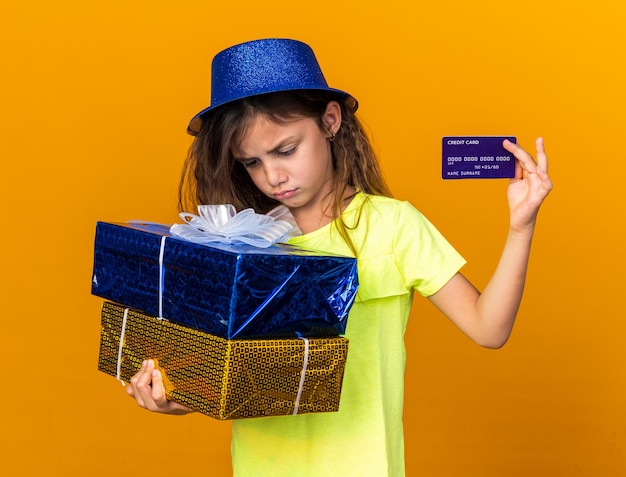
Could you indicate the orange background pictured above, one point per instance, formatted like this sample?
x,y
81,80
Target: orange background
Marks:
x,y
95,98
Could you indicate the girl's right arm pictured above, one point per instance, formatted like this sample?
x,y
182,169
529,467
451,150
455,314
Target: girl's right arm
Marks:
x,y
146,386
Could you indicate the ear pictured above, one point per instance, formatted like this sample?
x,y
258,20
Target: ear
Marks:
x,y
332,118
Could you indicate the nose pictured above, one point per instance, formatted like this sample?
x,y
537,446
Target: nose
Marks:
x,y
274,174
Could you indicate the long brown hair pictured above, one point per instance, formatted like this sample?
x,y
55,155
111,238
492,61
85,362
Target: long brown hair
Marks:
x,y
211,175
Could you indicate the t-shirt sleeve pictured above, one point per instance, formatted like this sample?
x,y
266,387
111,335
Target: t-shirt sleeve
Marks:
x,y
426,260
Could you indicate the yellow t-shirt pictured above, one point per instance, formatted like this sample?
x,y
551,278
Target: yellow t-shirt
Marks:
x,y
398,251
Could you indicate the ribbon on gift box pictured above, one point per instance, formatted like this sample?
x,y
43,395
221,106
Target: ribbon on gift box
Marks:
x,y
120,356
223,224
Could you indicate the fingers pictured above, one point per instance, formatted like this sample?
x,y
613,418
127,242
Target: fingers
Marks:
x,y
148,390
140,385
523,158
158,389
144,388
160,399
542,158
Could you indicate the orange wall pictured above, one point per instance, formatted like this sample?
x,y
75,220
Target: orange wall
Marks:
x,y
95,98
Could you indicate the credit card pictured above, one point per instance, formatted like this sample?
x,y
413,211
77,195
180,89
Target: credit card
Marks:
x,y
476,157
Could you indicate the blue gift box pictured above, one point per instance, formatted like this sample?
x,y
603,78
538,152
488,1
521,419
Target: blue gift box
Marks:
x,y
232,291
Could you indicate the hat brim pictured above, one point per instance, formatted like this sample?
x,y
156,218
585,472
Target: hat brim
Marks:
x,y
196,122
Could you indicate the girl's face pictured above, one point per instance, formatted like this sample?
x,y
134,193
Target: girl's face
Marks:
x,y
292,162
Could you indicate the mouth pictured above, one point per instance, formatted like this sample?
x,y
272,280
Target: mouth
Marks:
x,y
283,195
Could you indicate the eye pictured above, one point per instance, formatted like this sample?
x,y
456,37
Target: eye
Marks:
x,y
250,163
287,152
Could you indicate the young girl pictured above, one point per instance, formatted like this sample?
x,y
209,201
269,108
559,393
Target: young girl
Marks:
x,y
275,133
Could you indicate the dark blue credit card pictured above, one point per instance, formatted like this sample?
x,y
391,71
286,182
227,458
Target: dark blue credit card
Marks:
x,y
476,157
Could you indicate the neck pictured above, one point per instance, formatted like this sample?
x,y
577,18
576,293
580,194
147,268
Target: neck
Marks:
x,y
309,221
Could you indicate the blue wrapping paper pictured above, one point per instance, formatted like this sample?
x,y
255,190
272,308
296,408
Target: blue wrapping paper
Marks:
x,y
232,291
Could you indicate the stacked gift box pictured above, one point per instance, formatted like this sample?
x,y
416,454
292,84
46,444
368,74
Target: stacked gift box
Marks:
x,y
238,331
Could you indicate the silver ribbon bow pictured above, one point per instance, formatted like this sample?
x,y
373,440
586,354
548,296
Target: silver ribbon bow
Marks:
x,y
223,224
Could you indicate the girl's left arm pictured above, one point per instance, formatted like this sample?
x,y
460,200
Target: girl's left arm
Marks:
x,y
488,317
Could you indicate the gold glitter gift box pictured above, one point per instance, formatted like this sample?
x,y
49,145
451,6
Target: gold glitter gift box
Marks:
x,y
222,378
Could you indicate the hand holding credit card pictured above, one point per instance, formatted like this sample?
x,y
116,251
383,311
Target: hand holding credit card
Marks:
x,y
476,157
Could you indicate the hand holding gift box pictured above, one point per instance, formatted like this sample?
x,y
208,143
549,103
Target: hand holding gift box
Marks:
x,y
225,379
232,290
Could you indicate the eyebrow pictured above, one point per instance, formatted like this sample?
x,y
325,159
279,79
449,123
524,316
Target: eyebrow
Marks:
x,y
274,150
